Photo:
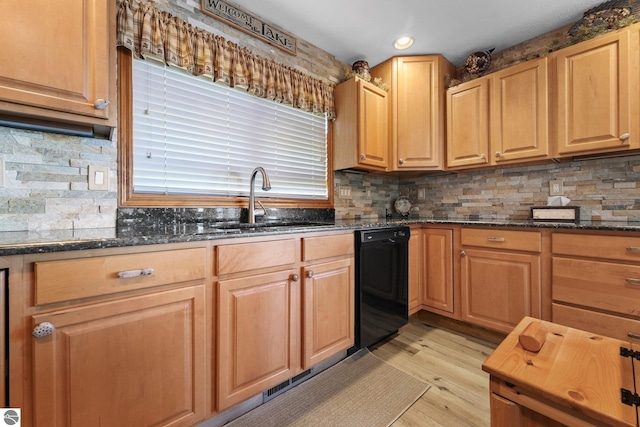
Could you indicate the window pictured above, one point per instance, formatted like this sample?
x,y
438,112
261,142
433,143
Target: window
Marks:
x,y
197,140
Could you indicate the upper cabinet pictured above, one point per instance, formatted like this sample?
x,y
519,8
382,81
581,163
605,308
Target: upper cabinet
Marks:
x,y
360,132
500,118
59,61
416,111
596,95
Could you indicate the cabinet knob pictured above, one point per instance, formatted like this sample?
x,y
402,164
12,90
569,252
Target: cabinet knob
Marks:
x,y
624,136
43,329
363,157
401,161
101,104
463,253
483,157
310,274
295,277
498,154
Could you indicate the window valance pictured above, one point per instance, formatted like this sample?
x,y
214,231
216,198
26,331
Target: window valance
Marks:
x,y
148,32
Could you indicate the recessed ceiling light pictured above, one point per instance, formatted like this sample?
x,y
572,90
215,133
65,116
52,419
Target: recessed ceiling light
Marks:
x,y
403,42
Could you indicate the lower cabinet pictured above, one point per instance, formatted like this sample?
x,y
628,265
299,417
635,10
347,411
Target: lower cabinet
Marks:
x,y
437,274
258,329
133,362
328,310
272,325
500,282
415,270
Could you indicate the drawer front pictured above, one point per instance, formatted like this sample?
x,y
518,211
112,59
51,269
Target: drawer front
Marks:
x,y
253,256
530,241
599,323
607,286
587,245
327,246
70,279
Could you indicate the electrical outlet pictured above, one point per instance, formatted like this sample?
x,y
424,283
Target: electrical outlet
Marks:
x,y
555,188
98,177
344,192
422,193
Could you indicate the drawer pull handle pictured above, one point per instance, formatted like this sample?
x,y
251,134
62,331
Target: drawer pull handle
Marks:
x,y
633,248
634,336
43,329
633,281
495,239
135,273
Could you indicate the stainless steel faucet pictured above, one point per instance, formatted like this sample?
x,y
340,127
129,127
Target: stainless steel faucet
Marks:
x,y
266,186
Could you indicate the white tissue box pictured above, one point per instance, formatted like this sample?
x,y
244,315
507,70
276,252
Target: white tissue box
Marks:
x,y
556,213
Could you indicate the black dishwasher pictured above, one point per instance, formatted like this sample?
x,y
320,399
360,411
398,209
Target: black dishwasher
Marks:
x,y
382,257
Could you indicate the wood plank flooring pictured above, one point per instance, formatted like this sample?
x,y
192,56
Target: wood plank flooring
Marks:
x,y
452,363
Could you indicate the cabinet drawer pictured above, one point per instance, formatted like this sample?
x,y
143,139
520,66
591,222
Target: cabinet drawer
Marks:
x,y
587,245
253,256
600,323
607,286
327,246
529,241
87,277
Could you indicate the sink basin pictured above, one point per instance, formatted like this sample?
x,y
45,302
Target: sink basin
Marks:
x,y
261,225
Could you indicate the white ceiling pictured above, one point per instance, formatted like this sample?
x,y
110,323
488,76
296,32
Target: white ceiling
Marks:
x,y
365,29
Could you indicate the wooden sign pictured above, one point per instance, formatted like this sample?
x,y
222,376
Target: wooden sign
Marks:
x,y
250,24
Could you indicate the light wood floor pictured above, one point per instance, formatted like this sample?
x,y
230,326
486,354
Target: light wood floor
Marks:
x,y
451,362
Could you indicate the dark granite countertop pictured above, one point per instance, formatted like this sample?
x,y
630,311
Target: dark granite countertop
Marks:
x,y
32,242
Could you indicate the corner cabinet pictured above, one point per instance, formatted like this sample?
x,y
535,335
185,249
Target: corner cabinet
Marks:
x,y
360,131
597,95
417,110
59,75
500,118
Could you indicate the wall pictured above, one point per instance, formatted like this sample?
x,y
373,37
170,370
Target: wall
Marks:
x,y
46,174
606,189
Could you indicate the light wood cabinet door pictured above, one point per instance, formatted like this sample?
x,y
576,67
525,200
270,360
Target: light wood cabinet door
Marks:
x,y
437,252
59,59
468,124
258,334
133,362
361,126
499,288
597,100
328,310
519,113
415,270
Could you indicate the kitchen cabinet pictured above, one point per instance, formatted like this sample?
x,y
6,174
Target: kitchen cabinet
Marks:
x,y
69,77
416,110
468,124
437,255
360,131
284,305
597,95
327,297
415,270
596,283
520,113
118,355
500,118
500,277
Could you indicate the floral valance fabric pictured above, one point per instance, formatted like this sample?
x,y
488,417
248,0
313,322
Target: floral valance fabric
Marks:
x,y
148,32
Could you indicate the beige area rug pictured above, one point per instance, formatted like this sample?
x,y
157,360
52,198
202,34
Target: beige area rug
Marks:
x,y
361,390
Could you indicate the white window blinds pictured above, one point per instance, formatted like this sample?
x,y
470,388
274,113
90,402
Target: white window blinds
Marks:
x,y
194,137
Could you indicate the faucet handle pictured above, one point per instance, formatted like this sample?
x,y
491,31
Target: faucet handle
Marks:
x,y
260,212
